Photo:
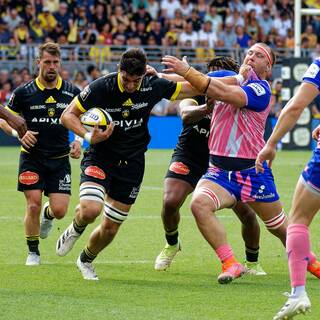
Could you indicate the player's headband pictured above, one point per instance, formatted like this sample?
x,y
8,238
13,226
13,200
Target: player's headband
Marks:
x,y
266,53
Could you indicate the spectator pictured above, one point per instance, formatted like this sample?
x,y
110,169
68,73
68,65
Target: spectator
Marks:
x,y
243,39
119,18
289,43
312,37
168,7
99,52
106,34
227,37
52,5
236,5
57,31
171,36
141,33
12,19
28,13
202,8
47,20
235,19
153,7
222,7
186,7
157,32
207,37
36,32
178,21
188,35
196,20
65,74
254,5
93,73
80,80
142,16
215,19
100,16
283,23
266,22
63,17
5,93
253,28
4,33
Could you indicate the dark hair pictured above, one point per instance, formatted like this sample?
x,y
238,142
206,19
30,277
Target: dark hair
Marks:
x,y
222,62
91,68
50,47
133,61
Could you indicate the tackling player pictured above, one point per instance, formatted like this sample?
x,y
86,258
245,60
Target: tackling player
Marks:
x,y
236,137
113,166
188,163
44,160
16,123
306,198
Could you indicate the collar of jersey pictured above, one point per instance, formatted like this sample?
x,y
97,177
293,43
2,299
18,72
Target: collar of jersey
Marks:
x,y
120,86
42,87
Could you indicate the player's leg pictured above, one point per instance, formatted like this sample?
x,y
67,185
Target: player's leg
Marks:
x,y
91,203
207,199
32,225
57,177
305,205
174,195
250,230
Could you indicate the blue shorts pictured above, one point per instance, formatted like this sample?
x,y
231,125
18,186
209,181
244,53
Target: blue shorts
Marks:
x,y
311,173
245,185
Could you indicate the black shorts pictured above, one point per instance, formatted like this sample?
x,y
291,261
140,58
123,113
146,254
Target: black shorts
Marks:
x,y
49,175
183,168
120,178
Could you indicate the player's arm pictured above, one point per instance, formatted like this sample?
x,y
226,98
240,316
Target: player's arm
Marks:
x,y
191,112
70,118
12,124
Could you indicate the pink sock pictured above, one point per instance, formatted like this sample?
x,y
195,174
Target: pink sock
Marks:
x,y
298,250
224,252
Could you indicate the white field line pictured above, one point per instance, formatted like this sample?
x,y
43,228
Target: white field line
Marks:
x,y
62,261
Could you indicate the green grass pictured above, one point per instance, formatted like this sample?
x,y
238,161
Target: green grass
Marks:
x,y
129,288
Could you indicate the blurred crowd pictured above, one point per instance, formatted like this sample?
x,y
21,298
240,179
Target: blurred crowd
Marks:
x,y
183,23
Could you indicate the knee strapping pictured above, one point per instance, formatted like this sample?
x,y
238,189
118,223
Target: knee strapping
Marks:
x,y
210,194
276,222
93,193
113,214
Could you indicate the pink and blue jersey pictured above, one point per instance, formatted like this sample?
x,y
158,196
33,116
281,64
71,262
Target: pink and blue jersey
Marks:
x,y
311,173
238,132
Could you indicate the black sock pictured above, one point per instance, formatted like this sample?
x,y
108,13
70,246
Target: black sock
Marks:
x,y
252,254
33,244
47,214
172,237
78,228
87,256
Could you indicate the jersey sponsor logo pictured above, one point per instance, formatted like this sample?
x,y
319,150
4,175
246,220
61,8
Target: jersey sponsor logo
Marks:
x,y
38,107
28,177
50,100
85,93
46,120
68,93
139,106
257,88
95,172
312,71
179,168
146,89
202,131
134,192
65,183
128,124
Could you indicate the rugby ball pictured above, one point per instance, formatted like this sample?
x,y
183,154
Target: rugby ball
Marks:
x,y
95,116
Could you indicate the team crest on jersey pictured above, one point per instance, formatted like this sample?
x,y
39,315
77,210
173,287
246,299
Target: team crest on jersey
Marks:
x,y
85,93
179,168
257,88
95,172
125,113
312,71
51,112
28,178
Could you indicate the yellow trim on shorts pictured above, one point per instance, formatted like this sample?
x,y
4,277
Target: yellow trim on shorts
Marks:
x,y
177,91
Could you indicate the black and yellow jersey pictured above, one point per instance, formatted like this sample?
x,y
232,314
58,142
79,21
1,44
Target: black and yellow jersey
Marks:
x,y
130,112
42,108
193,139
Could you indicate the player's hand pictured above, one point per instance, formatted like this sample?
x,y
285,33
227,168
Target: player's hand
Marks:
x,y
316,133
175,65
29,139
75,149
99,136
245,71
18,124
267,153
151,71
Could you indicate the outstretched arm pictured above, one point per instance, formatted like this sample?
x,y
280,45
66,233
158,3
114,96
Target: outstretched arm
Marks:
x,y
287,119
15,122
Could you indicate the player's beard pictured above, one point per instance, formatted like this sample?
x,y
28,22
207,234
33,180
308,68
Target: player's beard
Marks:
x,y
50,77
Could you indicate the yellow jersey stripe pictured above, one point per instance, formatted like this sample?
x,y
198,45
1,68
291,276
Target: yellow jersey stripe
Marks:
x,y
13,112
78,104
176,93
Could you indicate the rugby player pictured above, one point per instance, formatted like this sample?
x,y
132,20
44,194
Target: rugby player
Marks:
x,y
18,124
236,137
306,198
44,160
113,166
188,163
